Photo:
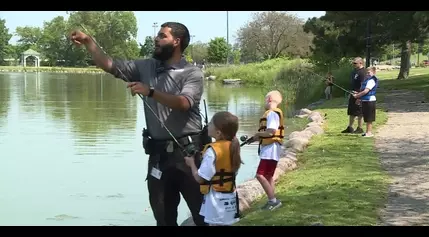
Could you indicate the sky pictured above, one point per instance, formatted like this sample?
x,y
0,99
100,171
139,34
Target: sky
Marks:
x,y
204,25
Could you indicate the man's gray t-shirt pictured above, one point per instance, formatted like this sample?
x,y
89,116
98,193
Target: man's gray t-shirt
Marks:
x,y
180,79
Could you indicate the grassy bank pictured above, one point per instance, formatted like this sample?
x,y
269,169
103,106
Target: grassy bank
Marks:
x,y
252,73
339,180
50,69
294,78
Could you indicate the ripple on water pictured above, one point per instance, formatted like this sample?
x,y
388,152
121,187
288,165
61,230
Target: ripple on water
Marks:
x,y
118,195
111,196
128,212
80,195
62,217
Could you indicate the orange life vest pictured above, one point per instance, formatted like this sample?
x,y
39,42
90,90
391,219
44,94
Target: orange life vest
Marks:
x,y
224,179
279,134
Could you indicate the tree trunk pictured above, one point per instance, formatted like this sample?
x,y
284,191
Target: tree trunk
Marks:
x,y
405,60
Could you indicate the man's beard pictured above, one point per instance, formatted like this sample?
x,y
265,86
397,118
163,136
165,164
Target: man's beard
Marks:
x,y
164,52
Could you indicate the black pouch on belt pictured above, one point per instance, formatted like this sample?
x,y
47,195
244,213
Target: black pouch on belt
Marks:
x,y
146,141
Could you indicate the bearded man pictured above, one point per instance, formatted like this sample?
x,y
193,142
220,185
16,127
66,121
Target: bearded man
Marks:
x,y
172,88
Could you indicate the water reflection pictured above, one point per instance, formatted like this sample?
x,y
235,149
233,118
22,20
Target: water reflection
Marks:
x,y
71,148
4,100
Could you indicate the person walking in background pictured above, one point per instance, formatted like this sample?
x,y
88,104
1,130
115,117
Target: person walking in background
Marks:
x,y
354,109
329,86
218,170
270,135
368,100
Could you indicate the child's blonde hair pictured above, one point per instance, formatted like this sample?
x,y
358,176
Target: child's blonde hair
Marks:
x,y
275,96
373,69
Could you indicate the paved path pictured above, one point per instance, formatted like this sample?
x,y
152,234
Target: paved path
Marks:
x,y
403,144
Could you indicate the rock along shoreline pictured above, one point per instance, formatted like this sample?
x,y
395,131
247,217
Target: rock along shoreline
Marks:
x,y
251,190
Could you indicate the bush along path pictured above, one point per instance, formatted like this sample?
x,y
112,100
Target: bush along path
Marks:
x,y
403,145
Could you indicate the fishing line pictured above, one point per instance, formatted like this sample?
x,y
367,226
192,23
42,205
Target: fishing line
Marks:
x,y
144,101
347,91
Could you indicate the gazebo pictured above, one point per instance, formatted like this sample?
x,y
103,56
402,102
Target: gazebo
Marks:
x,y
29,53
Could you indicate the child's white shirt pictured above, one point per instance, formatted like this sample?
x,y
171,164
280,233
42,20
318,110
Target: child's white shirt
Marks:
x,y
217,208
271,151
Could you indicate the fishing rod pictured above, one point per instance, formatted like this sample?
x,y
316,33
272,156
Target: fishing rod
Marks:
x,y
246,140
347,91
190,151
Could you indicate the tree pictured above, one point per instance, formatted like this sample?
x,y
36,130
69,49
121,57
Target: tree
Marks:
x,y
236,56
425,48
29,38
54,42
422,19
146,49
188,58
4,41
197,51
115,31
14,51
274,34
390,51
326,49
404,29
218,50
132,50
249,54
387,27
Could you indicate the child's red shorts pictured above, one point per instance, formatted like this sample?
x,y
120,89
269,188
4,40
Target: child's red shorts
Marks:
x,y
267,168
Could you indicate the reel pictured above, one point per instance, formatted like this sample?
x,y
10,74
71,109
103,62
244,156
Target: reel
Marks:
x,y
190,150
246,140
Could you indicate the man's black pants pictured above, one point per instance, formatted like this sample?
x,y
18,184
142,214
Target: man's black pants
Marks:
x,y
176,179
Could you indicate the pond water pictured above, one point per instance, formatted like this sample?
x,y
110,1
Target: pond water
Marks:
x,y
71,148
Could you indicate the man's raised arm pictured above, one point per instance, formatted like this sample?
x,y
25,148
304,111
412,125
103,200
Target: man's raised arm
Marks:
x,y
125,70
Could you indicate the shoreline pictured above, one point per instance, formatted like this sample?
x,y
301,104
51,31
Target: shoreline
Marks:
x,y
68,70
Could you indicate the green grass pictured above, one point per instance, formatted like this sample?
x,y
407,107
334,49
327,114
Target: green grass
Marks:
x,y
390,75
339,180
413,59
252,73
418,81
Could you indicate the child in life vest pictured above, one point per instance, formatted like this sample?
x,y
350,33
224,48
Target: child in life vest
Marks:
x,y
216,175
270,135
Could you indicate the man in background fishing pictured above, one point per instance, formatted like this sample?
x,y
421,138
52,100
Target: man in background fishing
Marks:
x,y
354,109
172,89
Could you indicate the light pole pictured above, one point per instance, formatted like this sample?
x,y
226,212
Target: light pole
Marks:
x,y
227,36
155,25
192,48
368,43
